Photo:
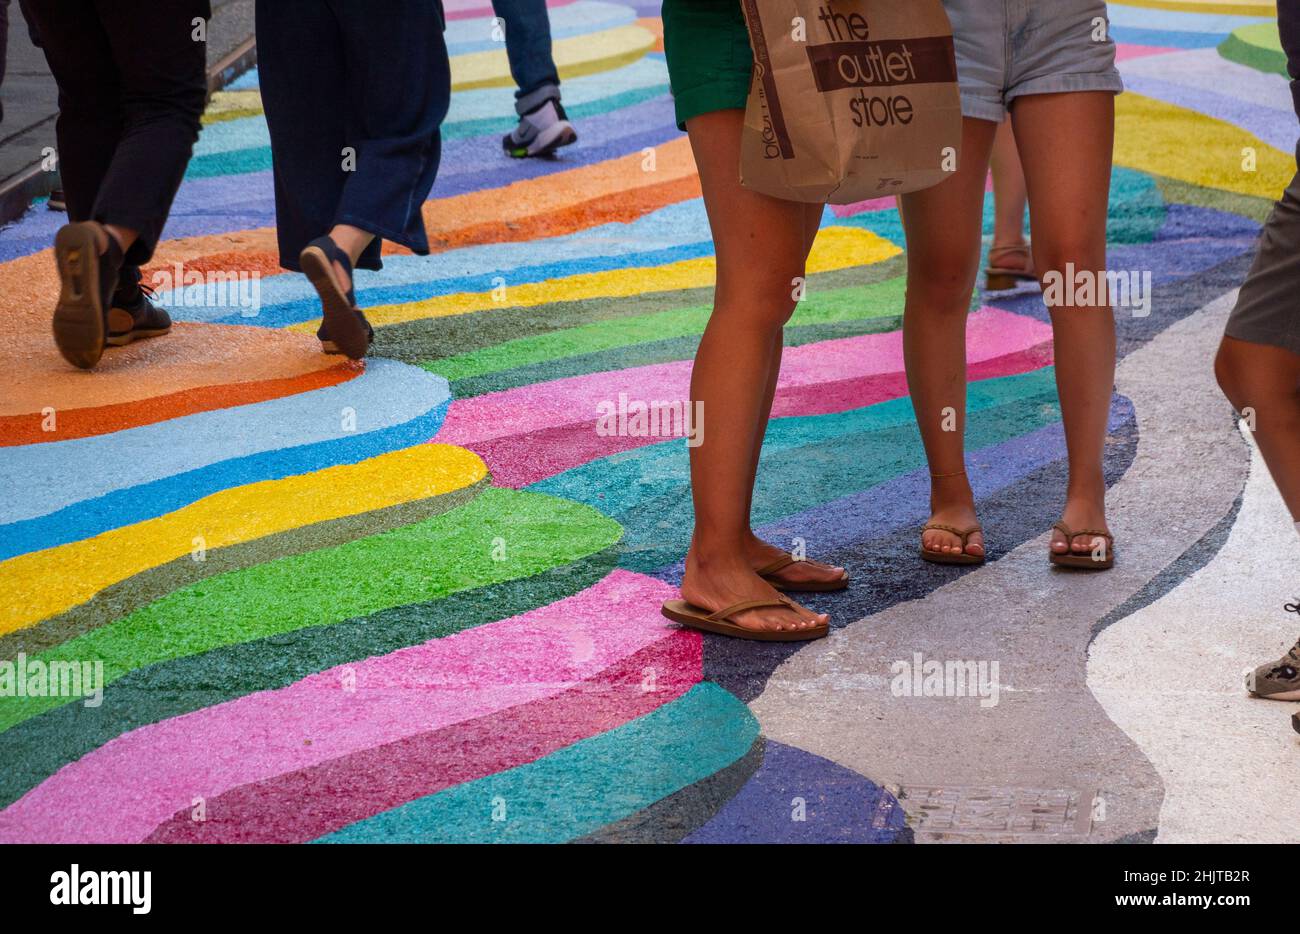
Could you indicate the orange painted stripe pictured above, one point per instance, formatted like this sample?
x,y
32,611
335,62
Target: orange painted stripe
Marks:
x,y
104,419
655,25
621,189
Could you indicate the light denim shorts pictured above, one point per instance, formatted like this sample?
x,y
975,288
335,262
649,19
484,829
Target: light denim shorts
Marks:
x,y
1006,48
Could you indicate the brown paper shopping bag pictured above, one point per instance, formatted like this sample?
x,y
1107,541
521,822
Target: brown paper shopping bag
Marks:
x,y
850,100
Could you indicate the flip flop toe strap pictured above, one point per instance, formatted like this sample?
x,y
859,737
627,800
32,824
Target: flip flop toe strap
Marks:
x,y
725,614
963,534
779,564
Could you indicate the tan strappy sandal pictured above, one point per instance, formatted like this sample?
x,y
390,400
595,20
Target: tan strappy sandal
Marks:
x,y
944,557
679,611
1085,562
1000,277
768,573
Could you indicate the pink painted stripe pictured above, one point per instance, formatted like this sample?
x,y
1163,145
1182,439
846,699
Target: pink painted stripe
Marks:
x,y
301,806
473,9
120,792
878,204
991,332
1125,51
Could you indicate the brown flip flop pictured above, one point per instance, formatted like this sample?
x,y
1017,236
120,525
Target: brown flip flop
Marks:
x,y
1002,278
679,611
768,573
1084,562
943,557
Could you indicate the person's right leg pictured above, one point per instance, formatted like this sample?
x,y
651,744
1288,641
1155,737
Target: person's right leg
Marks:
x,y
1265,381
943,234
760,243
90,123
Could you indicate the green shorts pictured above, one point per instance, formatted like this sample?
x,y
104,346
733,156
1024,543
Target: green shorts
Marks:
x,y
709,58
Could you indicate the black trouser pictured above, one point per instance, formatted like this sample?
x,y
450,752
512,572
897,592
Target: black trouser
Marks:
x,y
354,92
132,86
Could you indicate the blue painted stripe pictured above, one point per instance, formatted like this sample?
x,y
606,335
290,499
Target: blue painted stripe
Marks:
x,y
79,488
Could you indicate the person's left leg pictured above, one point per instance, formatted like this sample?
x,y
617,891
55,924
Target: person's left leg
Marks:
x,y
761,553
1069,188
527,26
162,60
1009,260
543,125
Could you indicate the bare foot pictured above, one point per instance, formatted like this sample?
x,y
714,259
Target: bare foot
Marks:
x,y
717,584
806,571
952,503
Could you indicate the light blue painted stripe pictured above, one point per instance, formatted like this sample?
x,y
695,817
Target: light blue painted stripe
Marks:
x,y
580,788
674,226
1207,70
1138,17
80,488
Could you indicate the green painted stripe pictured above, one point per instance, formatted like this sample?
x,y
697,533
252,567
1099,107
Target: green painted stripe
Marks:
x,y
445,554
581,788
430,339
879,300
1256,46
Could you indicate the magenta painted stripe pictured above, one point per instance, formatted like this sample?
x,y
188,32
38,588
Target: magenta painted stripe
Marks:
x,y
310,803
991,332
120,792
868,390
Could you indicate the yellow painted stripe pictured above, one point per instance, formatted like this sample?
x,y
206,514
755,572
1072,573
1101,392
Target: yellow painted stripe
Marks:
x,y
1227,7
1165,139
835,248
575,56
57,579
231,105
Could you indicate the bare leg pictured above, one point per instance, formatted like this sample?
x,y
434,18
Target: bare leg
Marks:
x,y
1069,188
1009,200
1266,379
760,244
943,239
760,552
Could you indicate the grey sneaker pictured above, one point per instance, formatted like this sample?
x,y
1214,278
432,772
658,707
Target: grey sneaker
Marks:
x,y
540,132
1279,680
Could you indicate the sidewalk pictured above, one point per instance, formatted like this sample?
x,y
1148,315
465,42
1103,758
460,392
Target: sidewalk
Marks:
x,y
31,99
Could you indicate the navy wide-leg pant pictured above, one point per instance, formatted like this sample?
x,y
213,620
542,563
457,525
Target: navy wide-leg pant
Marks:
x,y
354,92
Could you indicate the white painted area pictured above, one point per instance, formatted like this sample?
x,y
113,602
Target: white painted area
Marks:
x,y
1171,677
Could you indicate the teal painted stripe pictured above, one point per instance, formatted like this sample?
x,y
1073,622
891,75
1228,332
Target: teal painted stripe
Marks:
x,y
581,788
